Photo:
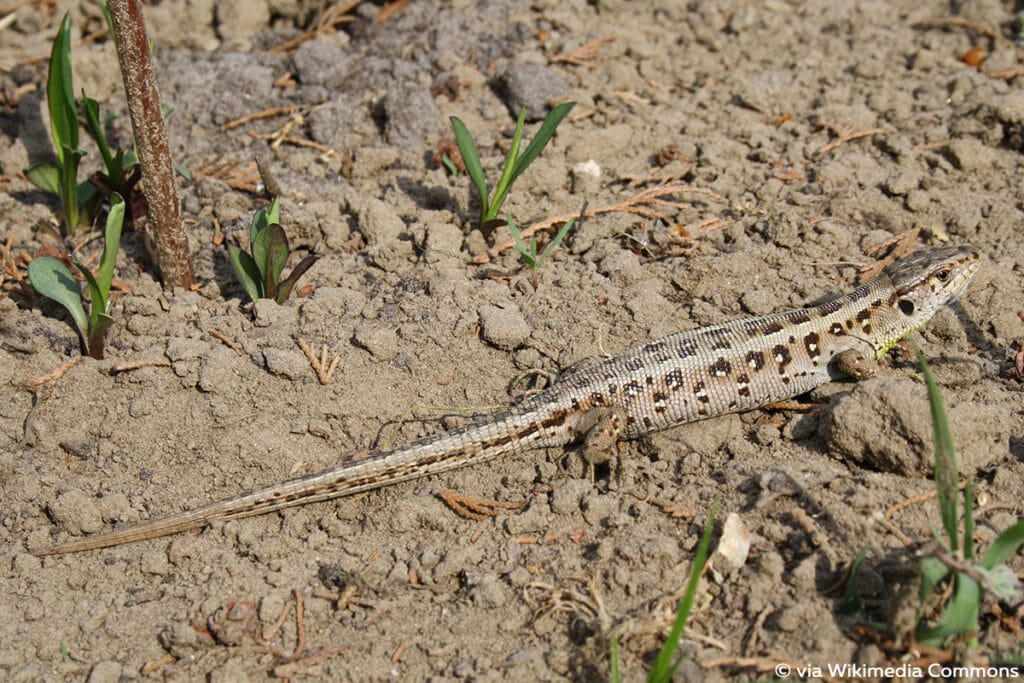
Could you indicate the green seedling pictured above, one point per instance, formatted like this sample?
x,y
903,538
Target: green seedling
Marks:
x,y
79,200
52,279
515,163
970,577
528,254
260,271
121,171
668,661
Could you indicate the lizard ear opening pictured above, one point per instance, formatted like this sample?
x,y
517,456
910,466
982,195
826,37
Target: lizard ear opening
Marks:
x,y
906,306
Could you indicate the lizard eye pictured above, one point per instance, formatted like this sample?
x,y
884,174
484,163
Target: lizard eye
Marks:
x,y
942,275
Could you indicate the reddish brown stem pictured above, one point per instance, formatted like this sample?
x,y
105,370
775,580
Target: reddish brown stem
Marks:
x,y
151,140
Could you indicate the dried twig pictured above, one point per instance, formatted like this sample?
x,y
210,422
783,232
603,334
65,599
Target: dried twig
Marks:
x,y
328,21
323,366
648,203
265,114
476,508
846,132
588,52
231,173
903,245
34,385
228,341
127,365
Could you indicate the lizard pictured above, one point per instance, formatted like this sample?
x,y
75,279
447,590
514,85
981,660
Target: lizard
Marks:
x,y
685,377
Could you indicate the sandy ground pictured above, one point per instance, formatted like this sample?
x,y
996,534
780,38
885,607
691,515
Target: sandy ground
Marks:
x,y
805,134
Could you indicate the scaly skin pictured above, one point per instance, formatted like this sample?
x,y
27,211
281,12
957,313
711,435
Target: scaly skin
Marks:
x,y
682,378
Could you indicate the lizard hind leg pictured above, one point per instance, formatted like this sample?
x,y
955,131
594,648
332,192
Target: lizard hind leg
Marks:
x,y
854,364
600,430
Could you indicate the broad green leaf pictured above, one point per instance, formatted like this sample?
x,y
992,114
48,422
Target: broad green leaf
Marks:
x,y
277,258
544,133
52,279
111,243
959,618
933,570
1005,545
666,664
60,93
45,176
946,473
246,271
284,289
471,159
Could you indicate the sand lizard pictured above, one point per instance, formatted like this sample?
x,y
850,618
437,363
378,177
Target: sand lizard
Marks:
x,y
681,378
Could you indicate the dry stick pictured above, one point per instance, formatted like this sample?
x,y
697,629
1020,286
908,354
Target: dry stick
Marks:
x,y
151,139
641,204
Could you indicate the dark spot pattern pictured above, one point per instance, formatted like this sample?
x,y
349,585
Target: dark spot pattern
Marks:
x,y
812,342
743,385
632,389
700,391
771,328
782,357
720,368
836,329
755,360
674,380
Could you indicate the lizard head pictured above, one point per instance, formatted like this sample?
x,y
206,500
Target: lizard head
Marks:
x,y
929,279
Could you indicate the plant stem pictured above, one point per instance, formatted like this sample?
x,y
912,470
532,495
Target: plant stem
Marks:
x,y
151,139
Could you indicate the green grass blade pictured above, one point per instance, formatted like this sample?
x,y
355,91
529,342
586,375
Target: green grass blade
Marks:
x,y
92,118
615,672
60,93
544,133
508,174
666,663
946,473
52,279
97,304
111,243
471,159
969,519
528,255
852,602
1005,545
246,271
553,244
